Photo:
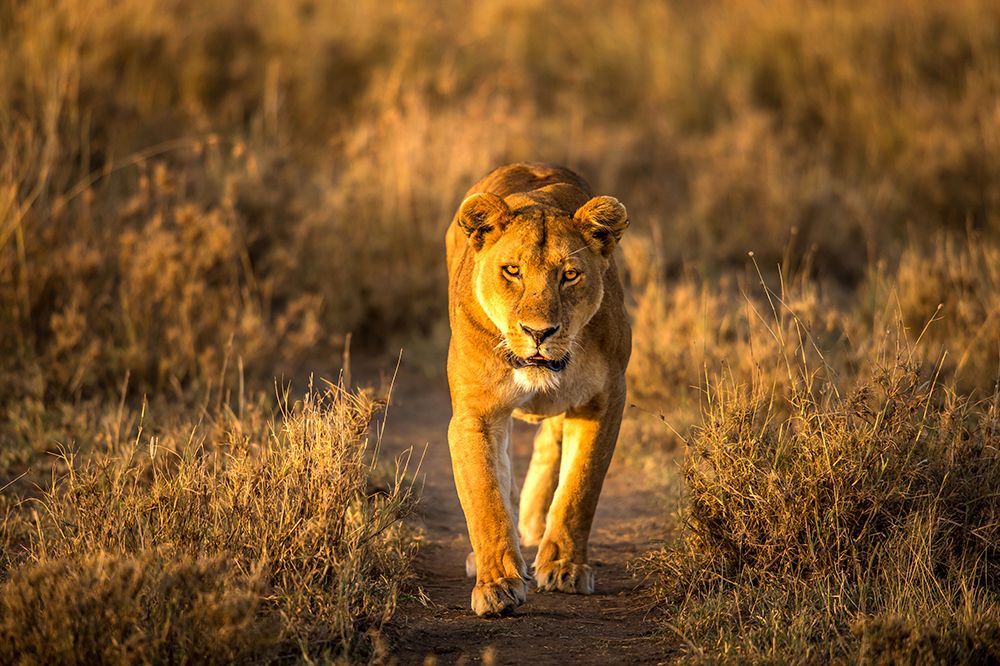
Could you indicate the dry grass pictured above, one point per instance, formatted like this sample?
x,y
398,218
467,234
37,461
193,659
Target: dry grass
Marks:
x,y
840,460
841,500
261,159
861,527
691,333
937,310
250,539
953,290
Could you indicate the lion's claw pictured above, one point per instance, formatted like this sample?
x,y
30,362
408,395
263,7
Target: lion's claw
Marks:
x,y
564,576
498,597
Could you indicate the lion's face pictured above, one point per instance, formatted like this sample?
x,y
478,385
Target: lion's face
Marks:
x,y
539,276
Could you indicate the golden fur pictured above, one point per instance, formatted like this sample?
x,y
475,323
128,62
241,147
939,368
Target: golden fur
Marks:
x,y
538,331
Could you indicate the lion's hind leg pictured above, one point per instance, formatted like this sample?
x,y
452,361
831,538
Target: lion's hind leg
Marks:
x,y
589,435
541,480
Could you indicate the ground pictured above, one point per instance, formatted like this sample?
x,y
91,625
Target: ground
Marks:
x,y
551,627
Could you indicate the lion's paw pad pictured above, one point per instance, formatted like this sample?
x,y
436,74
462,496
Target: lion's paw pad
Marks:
x,y
564,576
498,597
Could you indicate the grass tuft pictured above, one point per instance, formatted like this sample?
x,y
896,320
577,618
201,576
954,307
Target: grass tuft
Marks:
x,y
818,526
272,542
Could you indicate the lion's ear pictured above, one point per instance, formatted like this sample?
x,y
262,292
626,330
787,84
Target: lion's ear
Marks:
x,y
480,214
604,220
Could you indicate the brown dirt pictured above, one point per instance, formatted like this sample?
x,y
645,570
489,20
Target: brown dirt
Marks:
x,y
609,626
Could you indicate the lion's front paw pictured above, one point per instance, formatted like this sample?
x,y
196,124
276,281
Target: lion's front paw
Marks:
x,y
564,576
498,597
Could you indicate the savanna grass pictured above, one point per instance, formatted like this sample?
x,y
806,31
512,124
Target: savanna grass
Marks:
x,y
197,194
690,331
832,518
292,167
270,543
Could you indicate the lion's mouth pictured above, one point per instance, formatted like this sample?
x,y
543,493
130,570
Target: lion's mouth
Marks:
x,y
539,361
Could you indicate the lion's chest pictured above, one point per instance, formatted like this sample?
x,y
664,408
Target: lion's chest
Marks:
x,y
576,386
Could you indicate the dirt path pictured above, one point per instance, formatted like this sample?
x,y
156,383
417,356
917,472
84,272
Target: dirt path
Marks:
x,y
606,627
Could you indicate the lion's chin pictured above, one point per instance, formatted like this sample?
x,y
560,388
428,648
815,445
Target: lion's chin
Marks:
x,y
536,379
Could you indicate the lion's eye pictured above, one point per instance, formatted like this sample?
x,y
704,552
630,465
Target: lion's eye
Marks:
x,y
570,275
511,270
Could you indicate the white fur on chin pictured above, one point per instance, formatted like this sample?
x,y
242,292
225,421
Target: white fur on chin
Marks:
x,y
536,379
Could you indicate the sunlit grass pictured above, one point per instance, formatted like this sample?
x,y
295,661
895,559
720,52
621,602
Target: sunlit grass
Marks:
x,y
252,539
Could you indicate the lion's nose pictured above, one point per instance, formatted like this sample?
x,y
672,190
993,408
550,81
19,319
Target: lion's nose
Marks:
x,y
539,335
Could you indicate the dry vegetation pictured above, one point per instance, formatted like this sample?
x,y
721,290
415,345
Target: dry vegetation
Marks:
x,y
840,506
241,539
198,196
862,527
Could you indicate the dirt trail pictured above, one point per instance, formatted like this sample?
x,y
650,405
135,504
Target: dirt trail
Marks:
x,y
606,627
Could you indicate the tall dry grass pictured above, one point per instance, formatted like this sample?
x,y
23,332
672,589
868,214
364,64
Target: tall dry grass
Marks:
x,y
856,528
259,538
290,169
840,470
936,310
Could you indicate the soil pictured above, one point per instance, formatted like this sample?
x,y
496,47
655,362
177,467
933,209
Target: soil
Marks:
x,y
610,626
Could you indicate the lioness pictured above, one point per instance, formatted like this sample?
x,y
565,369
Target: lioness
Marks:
x,y
538,331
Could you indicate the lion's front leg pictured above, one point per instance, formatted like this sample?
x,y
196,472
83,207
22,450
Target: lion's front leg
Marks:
x,y
482,477
589,437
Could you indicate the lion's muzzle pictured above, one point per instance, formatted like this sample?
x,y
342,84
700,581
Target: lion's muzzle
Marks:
x,y
539,361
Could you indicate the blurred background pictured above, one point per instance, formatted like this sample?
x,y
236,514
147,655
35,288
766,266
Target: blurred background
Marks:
x,y
181,181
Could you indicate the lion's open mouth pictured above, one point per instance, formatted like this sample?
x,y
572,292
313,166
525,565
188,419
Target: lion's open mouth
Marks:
x,y
539,361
